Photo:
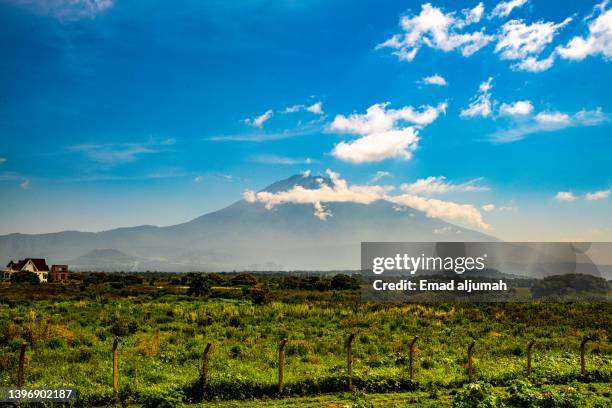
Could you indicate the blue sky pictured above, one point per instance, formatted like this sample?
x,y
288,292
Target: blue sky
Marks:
x,y
118,113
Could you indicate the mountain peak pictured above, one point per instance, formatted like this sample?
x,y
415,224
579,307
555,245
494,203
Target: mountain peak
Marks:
x,y
305,180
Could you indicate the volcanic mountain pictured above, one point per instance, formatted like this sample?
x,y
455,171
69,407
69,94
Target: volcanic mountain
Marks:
x,y
242,236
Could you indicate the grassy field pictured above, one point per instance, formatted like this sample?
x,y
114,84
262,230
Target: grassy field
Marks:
x,y
163,331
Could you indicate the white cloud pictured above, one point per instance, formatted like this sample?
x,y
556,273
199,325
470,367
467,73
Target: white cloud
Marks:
x,y
2,160
119,153
488,207
259,120
262,136
518,40
473,15
316,108
435,29
553,118
504,8
25,184
439,185
518,108
198,179
590,117
379,175
532,64
293,109
379,119
481,105
384,133
379,146
67,9
551,121
434,80
273,159
598,41
340,191
597,195
435,208
321,212
565,196
444,230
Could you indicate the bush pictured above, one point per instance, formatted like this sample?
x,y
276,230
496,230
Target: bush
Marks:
x,y
476,395
259,296
25,277
156,398
236,350
567,398
523,395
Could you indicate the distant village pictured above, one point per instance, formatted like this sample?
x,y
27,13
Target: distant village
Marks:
x,y
38,266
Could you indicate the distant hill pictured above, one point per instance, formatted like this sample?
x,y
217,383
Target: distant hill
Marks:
x,y
242,236
100,259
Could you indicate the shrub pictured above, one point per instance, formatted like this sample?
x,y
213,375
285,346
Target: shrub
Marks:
x,y
523,394
236,350
156,398
566,398
25,277
476,395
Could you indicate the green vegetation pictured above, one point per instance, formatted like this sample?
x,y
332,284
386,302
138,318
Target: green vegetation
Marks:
x,y
25,277
163,331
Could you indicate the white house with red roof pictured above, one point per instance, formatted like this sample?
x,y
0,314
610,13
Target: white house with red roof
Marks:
x,y
35,265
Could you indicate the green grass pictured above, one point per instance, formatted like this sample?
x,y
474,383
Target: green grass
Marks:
x,y
162,338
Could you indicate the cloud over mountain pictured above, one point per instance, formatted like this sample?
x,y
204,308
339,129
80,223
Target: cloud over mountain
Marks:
x,y
338,190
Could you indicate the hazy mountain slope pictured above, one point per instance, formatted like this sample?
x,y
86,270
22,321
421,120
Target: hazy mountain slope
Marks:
x,y
246,236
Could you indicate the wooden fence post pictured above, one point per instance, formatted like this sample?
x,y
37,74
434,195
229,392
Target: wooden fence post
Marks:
x,y
529,347
583,344
204,373
411,358
349,360
115,369
281,364
21,368
470,361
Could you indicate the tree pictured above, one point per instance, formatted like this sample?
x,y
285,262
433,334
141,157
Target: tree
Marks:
x,y
344,282
25,277
244,279
569,284
216,278
199,285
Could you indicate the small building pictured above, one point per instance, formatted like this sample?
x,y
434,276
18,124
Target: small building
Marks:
x,y
59,273
35,265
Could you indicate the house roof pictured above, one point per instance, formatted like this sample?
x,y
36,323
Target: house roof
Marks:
x,y
39,263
